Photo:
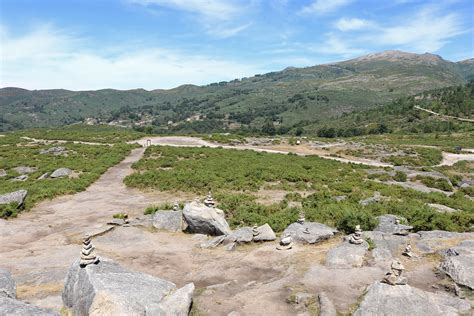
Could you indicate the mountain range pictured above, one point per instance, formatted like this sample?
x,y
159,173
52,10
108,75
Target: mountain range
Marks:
x,y
287,99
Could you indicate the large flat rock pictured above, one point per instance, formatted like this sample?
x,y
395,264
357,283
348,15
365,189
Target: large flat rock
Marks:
x,y
107,288
168,220
205,220
388,224
317,232
10,306
387,245
265,233
7,284
458,263
404,300
346,255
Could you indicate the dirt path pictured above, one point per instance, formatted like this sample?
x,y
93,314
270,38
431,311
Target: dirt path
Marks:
x,y
450,159
301,150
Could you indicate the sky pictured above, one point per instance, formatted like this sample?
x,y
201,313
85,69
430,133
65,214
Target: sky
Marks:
x,y
152,44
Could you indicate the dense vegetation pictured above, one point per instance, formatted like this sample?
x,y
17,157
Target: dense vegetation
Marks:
x,y
277,102
402,116
87,161
236,176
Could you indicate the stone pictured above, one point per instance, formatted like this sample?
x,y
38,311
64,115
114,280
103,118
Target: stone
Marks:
x,y
347,255
374,199
109,289
23,177
391,224
61,172
176,207
3,173
25,170
265,233
7,284
394,276
387,246
303,298
408,252
326,307
14,197
168,220
286,242
231,246
205,220
317,232
340,198
10,306
301,218
442,208
213,243
241,235
58,150
43,176
433,241
458,263
404,300
87,253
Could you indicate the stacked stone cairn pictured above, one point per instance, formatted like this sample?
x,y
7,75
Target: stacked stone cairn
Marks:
x,y
408,252
301,218
87,254
176,207
286,242
255,231
356,237
209,201
394,276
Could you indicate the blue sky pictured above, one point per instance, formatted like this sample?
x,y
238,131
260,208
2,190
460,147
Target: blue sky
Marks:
x,y
126,44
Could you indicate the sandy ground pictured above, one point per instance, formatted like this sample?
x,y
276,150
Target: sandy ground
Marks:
x,y
450,159
39,246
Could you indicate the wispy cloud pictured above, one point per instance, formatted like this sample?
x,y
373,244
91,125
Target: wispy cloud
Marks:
x,y
426,31
226,32
353,24
49,58
215,9
337,47
324,6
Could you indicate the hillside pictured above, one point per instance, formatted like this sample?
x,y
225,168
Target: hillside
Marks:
x,y
285,98
447,109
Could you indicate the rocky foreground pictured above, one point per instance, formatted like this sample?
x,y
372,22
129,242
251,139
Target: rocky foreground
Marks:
x,y
310,269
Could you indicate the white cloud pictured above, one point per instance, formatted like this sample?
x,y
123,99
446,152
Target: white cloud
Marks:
x,y
214,9
337,46
48,58
226,32
353,24
426,31
324,6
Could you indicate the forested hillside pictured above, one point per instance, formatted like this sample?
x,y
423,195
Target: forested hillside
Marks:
x,y
280,101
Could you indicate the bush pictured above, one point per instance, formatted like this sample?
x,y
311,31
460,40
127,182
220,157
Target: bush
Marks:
x,y
8,210
400,176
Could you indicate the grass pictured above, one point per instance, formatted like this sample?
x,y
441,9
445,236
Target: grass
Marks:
x,y
235,176
88,162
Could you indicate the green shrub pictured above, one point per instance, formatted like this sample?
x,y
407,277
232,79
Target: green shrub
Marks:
x,y
400,176
8,210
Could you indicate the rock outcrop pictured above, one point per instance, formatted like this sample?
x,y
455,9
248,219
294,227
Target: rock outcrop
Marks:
x,y
239,236
7,284
309,232
107,288
17,197
25,170
391,224
9,305
347,255
458,263
168,220
201,219
326,307
61,172
403,300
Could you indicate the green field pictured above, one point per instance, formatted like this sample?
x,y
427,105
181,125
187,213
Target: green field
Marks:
x,y
236,176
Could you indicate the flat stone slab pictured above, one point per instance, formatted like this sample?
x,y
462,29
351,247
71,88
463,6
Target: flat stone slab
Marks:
x,y
213,242
387,224
458,263
107,288
61,172
25,170
241,235
347,255
387,246
10,306
14,197
168,220
7,284
317,232
404,300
